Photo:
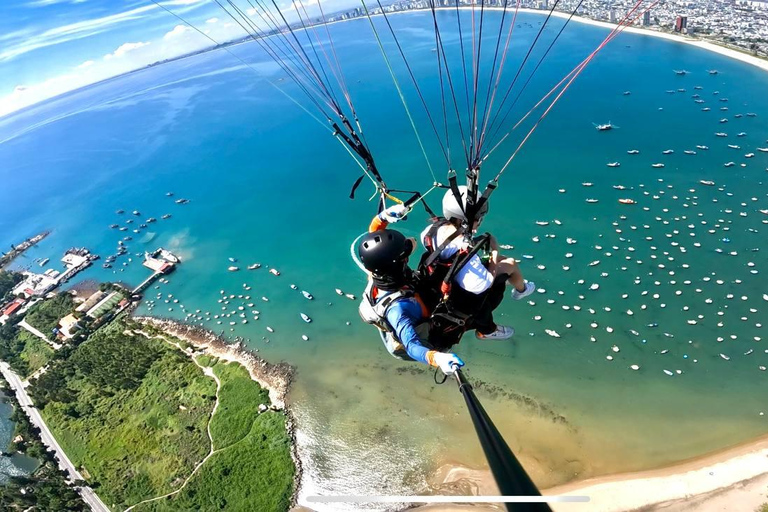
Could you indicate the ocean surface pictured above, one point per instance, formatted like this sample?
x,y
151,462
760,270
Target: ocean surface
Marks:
x,y
673,284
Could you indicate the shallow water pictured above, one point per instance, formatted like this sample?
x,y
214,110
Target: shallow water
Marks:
x,y
16,464
267,186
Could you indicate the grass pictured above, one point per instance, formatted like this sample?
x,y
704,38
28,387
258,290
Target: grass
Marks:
x,y
36,353
254,469
762,508
114,406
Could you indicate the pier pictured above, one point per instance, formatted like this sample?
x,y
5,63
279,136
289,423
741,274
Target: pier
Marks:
x,y
161,262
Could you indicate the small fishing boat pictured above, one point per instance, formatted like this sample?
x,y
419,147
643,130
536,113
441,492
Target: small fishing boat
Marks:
x,y
305,318
604,127
703,148
738,116
119,212
613,164
305,337
712,71
294,287
233,268
633,152
307,295
723,109
627,93
741,134
763,150
552,333
751,114
721,134
709,183
725,357
627,201
274,272
254,266
349,296
182,201
590,200
723,120
668,372
667,151
657,166
136,212
734,146
706,109
166,216
232,260
681,72
587,184
689,152
542,223
620,187
270,329
113,226
749,155
698,101
339,292
594,263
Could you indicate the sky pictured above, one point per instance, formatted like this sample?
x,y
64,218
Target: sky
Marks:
x,y
49,47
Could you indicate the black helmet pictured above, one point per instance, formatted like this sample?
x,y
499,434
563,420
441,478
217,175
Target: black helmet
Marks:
x,y
384,251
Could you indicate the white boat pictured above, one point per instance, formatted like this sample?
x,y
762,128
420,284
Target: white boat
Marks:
x,y
751,114
633,152
339,292
657,166
734,146
270,329
668,372
349,296
542,223
294,287
749,155
709,183
587,184
703,148
667,151
706,109
723,120
604,127
305,318
590,200
232,260
689,152
594,263
307,295
305,337
725,357
741,134
763,150
233,268
721,134
44,262
254,266
613,164
552,333
274,272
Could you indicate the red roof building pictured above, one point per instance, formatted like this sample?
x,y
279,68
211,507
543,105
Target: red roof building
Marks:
x,y
13,307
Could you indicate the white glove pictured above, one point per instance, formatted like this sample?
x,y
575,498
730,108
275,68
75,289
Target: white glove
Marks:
x,y
394,213
448,362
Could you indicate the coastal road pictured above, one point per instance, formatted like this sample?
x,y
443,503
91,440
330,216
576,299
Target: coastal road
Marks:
x,y
39,334
65,464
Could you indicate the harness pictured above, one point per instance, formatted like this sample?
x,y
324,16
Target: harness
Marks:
x,y
373,307
447,324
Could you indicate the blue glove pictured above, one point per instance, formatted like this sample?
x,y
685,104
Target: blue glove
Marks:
x,y
448,362
394,213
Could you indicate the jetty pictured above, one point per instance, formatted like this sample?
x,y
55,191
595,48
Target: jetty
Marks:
x,y
160,262
17,250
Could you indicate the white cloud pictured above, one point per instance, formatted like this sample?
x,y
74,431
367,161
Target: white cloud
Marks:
x,y
123,49
45,3
85,64
251,12
177,31
70,32
212,20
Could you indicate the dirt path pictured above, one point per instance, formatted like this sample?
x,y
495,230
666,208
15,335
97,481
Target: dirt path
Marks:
x,y
208,371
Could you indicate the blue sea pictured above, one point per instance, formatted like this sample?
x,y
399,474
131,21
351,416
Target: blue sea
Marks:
x,y
680,275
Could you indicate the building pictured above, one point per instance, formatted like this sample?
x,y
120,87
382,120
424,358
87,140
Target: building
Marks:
x,y
68,326
613,16
647,18
681,24
35,285
10,309
91,301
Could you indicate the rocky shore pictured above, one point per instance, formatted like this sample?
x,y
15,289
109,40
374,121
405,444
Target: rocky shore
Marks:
x,y
275,378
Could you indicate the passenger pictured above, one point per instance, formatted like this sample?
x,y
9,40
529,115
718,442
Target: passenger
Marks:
x,y
391,301
479,286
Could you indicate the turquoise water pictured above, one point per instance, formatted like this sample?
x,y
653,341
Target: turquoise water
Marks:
x,y
267,185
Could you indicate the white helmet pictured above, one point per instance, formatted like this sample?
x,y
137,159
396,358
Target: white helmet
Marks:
x,y
452,209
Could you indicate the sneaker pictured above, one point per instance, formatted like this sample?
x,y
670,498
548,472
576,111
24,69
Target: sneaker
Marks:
x,y
502,332
530,286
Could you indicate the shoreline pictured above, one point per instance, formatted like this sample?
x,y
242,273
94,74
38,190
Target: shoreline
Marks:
x,y
724,473
276,378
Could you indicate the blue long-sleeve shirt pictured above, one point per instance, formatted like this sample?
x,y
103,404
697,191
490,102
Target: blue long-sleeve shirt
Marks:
x,y
404,315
